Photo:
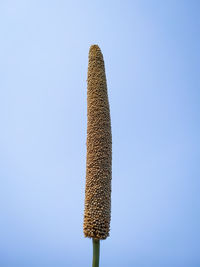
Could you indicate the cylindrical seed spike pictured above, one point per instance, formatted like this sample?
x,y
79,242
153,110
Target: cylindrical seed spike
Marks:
x,y
97,212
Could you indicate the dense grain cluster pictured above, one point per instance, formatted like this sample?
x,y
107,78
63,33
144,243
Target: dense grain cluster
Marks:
x,y
99,150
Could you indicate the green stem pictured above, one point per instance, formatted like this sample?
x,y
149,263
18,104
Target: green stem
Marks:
x,y
96,249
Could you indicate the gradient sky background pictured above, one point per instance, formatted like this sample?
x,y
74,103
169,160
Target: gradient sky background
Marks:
x,y
152,59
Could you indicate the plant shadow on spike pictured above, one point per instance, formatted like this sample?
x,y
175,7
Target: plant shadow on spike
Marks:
x,y
97,213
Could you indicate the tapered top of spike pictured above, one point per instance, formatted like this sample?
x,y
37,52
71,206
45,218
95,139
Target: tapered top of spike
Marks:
x,y
97,212
95,52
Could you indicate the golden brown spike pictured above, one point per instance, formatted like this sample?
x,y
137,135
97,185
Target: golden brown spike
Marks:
x,y
99,150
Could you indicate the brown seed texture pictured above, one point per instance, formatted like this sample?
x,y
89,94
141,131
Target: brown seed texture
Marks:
x,y
99,150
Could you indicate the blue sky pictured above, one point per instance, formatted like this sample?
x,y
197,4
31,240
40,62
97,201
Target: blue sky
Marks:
x,y
151,53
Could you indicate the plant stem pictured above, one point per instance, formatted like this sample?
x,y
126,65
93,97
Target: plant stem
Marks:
x,y
96,249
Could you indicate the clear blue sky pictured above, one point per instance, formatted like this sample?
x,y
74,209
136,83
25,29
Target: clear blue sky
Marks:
x,y
152,59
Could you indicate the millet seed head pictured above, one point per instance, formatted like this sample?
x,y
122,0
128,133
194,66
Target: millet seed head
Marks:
x,y
97,212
